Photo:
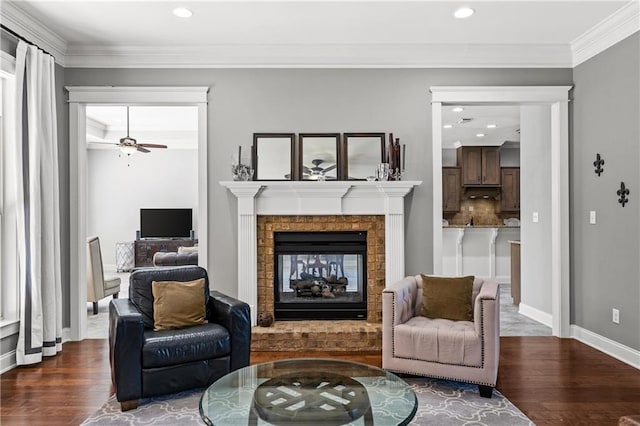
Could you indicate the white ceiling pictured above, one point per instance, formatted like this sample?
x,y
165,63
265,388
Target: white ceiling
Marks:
x,y
308,33
176,127
506,118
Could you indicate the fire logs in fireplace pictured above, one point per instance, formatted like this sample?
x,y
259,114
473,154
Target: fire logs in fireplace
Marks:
x,y
312,286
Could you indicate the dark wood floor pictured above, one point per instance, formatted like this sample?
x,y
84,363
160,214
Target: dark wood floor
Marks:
x,y
553,381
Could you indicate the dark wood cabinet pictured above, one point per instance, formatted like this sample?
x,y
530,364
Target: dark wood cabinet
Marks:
x,y
510,199
451,188
145,249
480,165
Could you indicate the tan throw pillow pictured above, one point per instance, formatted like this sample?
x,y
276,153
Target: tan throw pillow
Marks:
x,y
449,298
178,304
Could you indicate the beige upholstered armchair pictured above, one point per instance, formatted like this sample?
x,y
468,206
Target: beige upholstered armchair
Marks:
x,y
466,351
98,287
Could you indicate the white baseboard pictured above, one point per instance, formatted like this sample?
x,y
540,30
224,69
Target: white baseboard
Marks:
x,y
617,350
536,314
7,361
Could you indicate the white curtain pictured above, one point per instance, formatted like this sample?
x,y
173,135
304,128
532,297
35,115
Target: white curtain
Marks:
x,y
38,213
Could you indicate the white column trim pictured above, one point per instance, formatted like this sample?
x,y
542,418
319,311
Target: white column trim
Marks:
x,y
436,149
459,252
492,253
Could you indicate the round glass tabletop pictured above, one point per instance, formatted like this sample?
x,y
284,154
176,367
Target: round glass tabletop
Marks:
x,y
308,391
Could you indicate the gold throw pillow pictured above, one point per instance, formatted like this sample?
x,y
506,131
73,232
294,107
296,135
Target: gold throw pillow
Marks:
x,y
449,298
178,304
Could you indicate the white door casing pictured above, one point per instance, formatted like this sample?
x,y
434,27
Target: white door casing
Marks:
x,y
557,98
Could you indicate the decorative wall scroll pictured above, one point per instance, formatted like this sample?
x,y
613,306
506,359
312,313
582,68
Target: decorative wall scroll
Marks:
x,y
623,193
598,165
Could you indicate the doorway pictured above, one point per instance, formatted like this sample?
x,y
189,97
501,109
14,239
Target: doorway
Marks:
x,y
79,99
555,100
123,183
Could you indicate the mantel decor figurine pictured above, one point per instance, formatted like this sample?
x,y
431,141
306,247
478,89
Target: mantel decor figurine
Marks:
x,y
240,171
395,156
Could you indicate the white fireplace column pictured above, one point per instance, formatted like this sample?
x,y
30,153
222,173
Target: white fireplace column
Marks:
x,y
308,198
247,244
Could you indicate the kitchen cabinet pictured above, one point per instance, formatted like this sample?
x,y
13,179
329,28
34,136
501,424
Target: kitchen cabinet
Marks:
x,y
451,188
510,200
480,165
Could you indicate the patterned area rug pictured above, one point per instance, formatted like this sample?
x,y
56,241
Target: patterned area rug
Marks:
x,y
440,402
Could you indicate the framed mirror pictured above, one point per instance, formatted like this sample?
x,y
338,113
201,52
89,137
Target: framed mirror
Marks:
x,y
273,156
318,156
362,152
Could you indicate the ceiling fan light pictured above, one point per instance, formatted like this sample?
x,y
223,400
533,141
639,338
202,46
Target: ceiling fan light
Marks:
x,y
128,149
463,12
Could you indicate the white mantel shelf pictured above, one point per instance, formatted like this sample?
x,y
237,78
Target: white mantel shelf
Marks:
x,y
316,198
320,198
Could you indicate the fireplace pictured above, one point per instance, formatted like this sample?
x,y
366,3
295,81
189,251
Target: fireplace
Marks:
x,y
320,275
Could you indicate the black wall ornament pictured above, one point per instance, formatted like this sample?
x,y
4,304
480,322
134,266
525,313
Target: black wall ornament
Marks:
x,y
598,165
623,192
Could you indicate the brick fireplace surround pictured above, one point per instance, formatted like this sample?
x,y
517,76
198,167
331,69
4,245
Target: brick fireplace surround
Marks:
x,y
268,207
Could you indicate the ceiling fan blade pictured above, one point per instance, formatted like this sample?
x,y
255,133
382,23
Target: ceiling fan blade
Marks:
x,y
330,168
305,169
104,143
142,149
152,145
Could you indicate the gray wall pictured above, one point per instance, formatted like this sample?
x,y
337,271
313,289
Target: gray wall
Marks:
x,y
535,190
606,256
244,101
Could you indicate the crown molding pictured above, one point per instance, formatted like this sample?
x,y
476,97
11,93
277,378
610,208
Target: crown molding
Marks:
x,y
323,56
33,30
608,32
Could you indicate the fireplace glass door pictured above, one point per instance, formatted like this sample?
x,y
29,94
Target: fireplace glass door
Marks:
x,y
320,275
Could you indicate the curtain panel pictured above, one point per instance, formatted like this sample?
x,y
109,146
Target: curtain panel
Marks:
x,y
38,206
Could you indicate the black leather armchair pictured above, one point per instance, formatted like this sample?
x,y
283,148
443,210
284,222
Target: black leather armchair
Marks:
x,y
145,362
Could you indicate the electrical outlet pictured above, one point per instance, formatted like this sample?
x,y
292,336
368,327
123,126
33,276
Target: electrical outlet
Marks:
x,y
592,217
615,316
535,217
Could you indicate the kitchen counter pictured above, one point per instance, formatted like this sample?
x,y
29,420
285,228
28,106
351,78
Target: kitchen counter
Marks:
x,y
479,250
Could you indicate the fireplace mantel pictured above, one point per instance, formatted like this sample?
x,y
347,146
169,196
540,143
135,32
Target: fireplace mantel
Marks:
x,y
316,198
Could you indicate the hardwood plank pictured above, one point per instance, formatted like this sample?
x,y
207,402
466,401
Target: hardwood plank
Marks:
x,y
553,381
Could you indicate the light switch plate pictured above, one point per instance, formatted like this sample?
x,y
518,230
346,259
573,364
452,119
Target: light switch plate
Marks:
x,y
535,217
592,217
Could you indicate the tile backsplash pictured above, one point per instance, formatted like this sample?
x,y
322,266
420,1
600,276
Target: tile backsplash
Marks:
x,y
483,211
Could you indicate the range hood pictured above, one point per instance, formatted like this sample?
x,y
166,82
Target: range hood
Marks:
x,y
481,192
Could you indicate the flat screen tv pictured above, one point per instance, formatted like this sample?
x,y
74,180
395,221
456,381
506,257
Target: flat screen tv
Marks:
x,y
166,223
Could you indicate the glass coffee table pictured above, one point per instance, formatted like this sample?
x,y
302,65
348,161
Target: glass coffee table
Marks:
x,y
308,391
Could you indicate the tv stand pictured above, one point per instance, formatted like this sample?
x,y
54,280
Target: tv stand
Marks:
x,y
146,248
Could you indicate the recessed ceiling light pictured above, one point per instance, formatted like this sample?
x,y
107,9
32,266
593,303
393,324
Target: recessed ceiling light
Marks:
x,y
480,135
448,126
491,126
457,109
182,12
463,12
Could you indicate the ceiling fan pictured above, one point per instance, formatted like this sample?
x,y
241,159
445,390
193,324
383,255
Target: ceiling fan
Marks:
x,y
129,145
316,170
